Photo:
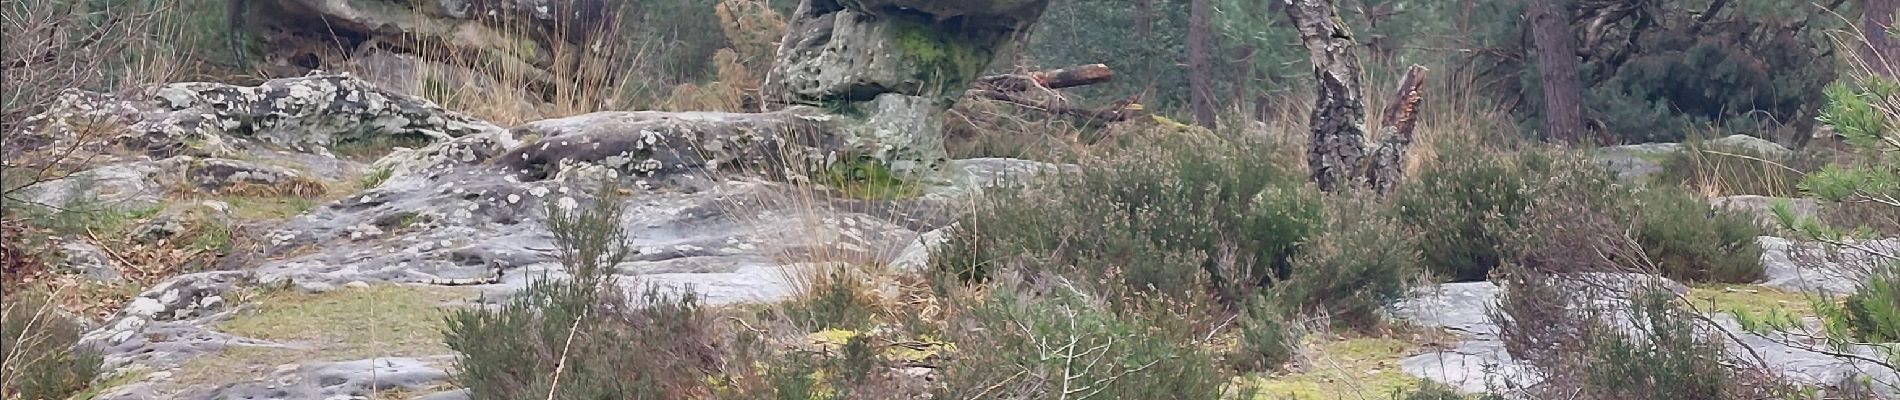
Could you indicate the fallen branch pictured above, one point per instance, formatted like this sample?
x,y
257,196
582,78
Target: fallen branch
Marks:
x,y
1023,90
1081,75
1116,112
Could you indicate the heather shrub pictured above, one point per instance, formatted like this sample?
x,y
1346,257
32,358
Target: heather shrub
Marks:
x,y
1692,243
1589,340
1578,219
1174,219
583,337
1068,344
42,360
1362,261
1266,339
1466,203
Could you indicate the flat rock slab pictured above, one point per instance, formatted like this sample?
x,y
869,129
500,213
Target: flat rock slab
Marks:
x,y
1480,363
729,239
1813,267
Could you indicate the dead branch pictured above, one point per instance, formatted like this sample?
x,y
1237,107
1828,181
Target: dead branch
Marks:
x,y
1395,134
1081,75
1018,89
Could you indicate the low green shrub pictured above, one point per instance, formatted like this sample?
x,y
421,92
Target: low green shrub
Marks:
x,y
1267,339
1615,345
837,301
1466,203
1362,261
42,360
661,346
1174,219
1430,391
583,337
1673,358
1873,313
1066,344
1691,242
1579,219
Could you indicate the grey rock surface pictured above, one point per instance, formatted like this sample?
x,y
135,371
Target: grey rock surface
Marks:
x,y
1761,208
306,114
731,239
1751,144
164,325
1460,307
213,174
89,260
1480,363
1802,359
332,380
115,186
1638,161
1816,267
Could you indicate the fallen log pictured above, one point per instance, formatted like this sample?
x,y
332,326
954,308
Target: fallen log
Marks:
x,y
1017,89
1117,112
1081,75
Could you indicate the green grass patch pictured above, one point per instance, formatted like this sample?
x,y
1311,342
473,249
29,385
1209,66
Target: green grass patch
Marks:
x,y
267,207
339,325
869,179
380,321
1343,369
111,381
1754,300
375,177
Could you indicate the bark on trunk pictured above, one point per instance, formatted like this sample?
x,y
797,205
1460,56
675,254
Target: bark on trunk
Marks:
x,y
1877,23
1337,145
1144,18
1200,73
1557,68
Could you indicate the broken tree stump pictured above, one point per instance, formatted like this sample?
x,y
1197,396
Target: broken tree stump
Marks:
x,y
1395,133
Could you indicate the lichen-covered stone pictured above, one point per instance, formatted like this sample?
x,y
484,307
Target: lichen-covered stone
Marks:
x,y
850,51
307,114
119,186
212,175
339,380
784,143
162,326
88,260
315,112
903,132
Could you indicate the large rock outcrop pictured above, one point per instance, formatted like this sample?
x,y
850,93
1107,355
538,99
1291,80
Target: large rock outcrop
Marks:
x,y
893,66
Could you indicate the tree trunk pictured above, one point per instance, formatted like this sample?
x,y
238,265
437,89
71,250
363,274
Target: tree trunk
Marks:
x,y
1144,18
1337,145
1200,74
1557,68
1877,23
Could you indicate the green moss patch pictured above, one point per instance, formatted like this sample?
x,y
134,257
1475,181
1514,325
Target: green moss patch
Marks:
x,y
384,320
1753,300
869,179
267,207
339,325
1343,369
